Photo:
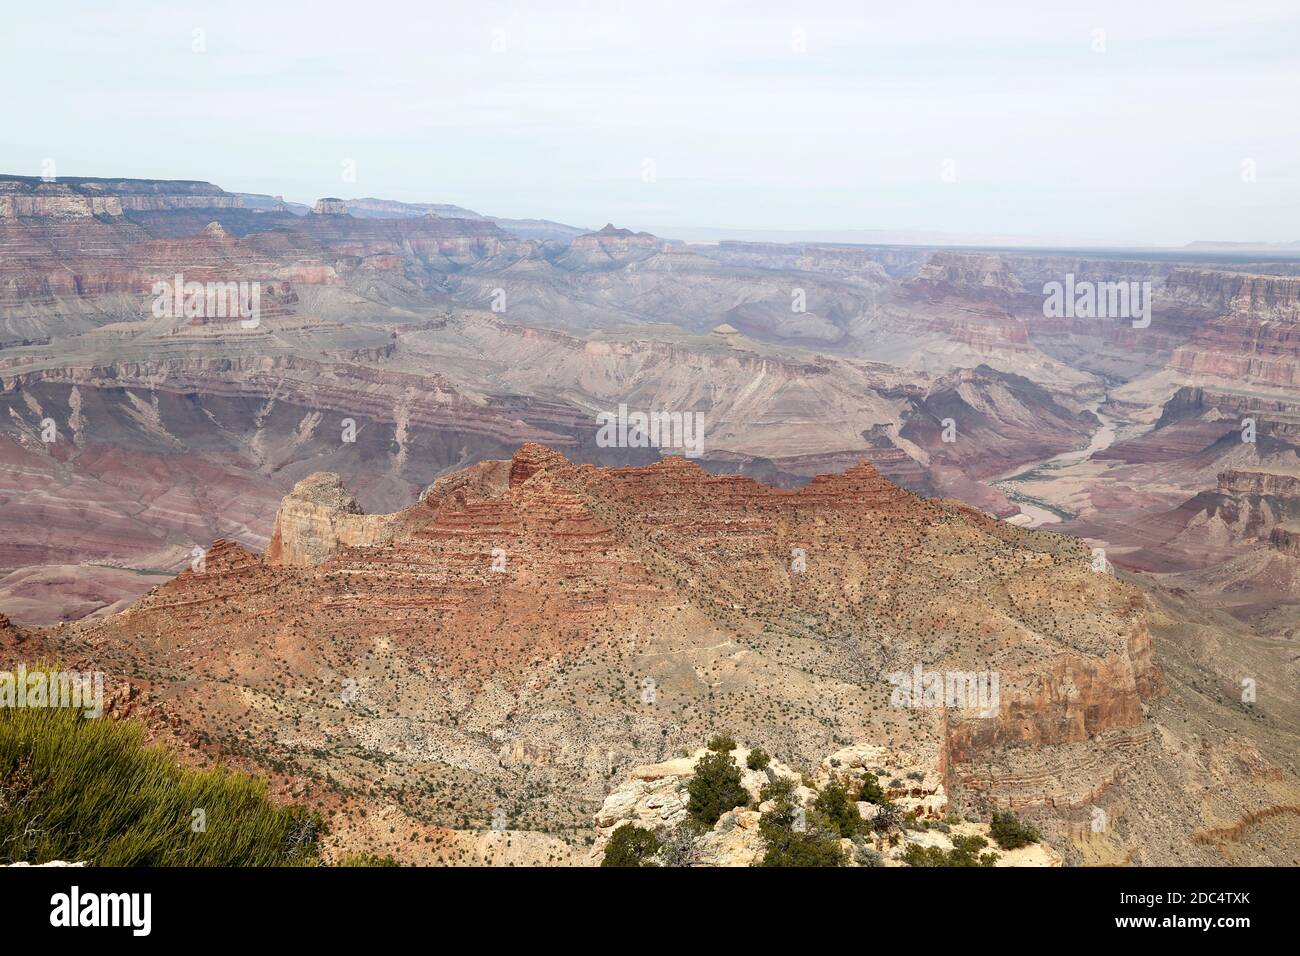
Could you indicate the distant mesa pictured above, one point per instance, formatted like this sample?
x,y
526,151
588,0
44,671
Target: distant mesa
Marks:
x,y
611,231
976,276
371,208
72,198
330,206
612,246
262,202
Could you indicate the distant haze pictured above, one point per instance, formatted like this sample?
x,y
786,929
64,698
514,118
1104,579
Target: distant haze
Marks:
x,y
1176,122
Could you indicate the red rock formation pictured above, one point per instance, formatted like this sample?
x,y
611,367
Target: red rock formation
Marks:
x,y
18,646
1067,700
1259,483
648,537
1255,339
519,607
965,299
974,277
1195,418
998,422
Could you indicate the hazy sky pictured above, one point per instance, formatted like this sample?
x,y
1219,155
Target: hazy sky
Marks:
x,y
798,115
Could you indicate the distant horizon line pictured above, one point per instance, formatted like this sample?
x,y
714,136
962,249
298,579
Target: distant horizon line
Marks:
x,y
704,234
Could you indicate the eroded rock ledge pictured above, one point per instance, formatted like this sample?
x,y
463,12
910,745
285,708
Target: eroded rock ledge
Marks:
x,y
655,797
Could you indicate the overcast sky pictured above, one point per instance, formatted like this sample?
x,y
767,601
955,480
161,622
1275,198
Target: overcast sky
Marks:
x,y
789,116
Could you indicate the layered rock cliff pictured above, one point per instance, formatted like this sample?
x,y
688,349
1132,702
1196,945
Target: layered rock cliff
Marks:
x,y
317,518
976,277
611,246
1256,336
1286,540
538,579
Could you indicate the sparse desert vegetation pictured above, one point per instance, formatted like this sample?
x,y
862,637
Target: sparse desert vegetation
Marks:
x,y
76,789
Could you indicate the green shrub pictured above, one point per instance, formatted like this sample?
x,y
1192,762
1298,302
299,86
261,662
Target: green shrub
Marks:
x,y
722,743
870,790
814,846
916,855
757,760
779,819
964,852
714,790
1010,833
73,789
366,860
631,845
777,788
841,813
968,848
804,849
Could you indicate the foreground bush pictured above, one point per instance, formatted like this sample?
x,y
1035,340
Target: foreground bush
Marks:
x,y
870,791
1010,833
964,852
777,788
714,789
814,845
366,860
631,845
722,743
841,813
77,789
